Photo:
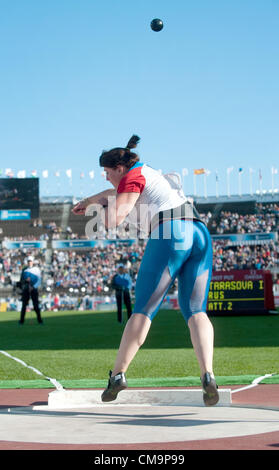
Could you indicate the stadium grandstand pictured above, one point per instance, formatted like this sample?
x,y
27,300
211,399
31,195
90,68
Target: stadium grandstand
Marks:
x,y
77,272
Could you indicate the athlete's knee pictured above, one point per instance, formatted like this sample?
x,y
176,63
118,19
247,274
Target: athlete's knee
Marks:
x,y
193,315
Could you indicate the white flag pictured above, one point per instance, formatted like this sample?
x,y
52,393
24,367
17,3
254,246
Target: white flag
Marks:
x,y
274,171
69,173
91,174
57,173
9,172
45,173
21,174
229,170
185,172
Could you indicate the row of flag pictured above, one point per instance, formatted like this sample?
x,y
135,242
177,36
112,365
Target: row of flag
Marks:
x,y
204,171
9,173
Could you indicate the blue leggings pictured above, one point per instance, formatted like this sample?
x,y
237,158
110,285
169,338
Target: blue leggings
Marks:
x,y
179,249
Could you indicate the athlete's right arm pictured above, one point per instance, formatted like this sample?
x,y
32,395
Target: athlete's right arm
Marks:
x,y
122,205
100,198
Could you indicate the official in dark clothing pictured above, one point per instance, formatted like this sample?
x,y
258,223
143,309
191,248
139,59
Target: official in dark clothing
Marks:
x,y
30,281
122,284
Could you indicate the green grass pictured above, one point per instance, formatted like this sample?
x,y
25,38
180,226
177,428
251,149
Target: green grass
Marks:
x,y
78,349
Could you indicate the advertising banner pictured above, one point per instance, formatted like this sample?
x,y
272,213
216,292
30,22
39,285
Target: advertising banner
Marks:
x,y
15,214
247,238
9,245
85,244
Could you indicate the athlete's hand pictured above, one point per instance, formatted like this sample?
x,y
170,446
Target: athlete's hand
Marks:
x,y
80,207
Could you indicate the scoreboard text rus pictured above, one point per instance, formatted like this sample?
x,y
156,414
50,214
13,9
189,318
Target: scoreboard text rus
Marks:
x,y
245,291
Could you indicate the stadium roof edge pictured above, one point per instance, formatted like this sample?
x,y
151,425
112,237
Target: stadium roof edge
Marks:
x,y
264,198
58,200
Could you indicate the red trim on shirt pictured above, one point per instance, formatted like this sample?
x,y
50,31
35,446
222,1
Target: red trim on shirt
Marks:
x,y
132,182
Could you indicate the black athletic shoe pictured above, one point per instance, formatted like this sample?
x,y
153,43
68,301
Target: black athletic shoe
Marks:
x,y
210,390
115,385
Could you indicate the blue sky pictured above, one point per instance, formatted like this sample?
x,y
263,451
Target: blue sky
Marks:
x,y
80,76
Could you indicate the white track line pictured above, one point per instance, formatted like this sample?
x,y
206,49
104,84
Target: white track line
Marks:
x,y
56,384
254,383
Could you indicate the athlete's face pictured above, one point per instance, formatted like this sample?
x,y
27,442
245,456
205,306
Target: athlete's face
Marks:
x,y
114,175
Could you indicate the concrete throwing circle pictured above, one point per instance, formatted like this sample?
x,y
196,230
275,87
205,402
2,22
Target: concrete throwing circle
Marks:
x,y
118,424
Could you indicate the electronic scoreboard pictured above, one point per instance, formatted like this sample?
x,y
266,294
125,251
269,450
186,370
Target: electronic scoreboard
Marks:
x,y
20,194
240,292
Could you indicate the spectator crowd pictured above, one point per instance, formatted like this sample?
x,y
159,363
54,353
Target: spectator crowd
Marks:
x,y
91,271
266,219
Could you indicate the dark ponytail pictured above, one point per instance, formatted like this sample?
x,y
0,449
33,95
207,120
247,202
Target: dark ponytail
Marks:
x,y
133,142
121,156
